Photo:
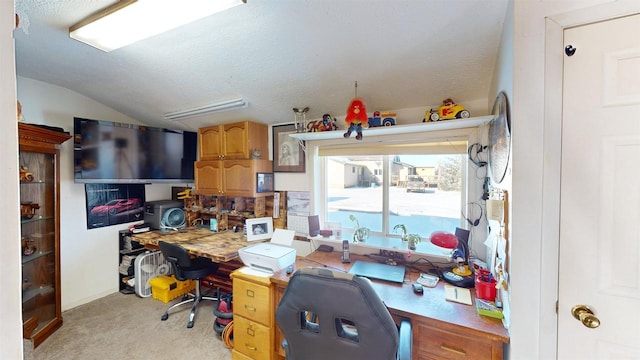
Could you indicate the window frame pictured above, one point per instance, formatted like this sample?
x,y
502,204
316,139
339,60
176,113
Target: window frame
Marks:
x,y
473,177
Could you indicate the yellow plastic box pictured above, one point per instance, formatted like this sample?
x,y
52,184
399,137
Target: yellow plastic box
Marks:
x,y
166,288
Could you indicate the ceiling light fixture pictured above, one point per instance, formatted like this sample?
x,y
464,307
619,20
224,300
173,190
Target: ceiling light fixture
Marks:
x,y
129,21
208,109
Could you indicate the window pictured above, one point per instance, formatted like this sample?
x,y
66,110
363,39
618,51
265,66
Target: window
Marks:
x,y
422,192
389,166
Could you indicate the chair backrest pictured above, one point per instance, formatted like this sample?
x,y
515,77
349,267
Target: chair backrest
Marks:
x,y
334,315
177,256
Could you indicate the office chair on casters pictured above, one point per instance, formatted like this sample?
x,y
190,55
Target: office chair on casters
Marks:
x,y
186,268
325,314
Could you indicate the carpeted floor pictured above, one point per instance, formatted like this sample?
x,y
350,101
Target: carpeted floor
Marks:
x,y
122,326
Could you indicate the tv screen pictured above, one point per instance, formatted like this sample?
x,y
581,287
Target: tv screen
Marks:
x,y
111,152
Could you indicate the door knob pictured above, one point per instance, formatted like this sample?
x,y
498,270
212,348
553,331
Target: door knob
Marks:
x,y
586,316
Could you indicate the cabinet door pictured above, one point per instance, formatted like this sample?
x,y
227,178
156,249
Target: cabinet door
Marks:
x,y
239,178
41,312
236,145
211,142
209,177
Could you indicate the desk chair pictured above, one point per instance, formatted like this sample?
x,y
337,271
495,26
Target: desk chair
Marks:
x,y
326,314
186,268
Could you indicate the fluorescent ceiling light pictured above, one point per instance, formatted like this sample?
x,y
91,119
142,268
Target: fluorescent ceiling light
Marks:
x,y
207,109
129,21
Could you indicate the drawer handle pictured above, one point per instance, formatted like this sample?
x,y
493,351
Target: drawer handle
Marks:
x,y
250,347
455,351
250,308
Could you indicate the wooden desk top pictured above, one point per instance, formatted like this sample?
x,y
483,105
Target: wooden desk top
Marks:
x,y
219,247
402,301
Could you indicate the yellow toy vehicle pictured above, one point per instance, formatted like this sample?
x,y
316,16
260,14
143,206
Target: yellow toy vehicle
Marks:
x,y
448,110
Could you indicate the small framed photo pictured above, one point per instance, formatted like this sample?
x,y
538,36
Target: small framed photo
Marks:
x,y
259,228
288,153
264,182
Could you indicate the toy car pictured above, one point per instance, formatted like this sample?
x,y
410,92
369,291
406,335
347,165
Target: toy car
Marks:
x,y
116,206
382,119
448,110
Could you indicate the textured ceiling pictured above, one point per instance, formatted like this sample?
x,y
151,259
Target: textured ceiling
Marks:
x,y
277,55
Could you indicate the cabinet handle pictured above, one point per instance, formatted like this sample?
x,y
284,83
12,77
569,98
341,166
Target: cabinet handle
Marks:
x,y
455,351
250,308
250,347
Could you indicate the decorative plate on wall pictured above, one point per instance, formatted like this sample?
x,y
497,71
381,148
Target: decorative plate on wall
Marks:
x,y
500,138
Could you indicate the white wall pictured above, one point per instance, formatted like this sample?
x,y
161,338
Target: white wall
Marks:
x,y
10,260
89,258
301,181
535,117
503,81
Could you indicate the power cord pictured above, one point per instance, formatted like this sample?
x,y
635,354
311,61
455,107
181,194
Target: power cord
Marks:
x,y
473,152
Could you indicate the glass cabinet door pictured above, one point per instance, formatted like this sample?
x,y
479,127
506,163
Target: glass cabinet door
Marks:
x,y
38,237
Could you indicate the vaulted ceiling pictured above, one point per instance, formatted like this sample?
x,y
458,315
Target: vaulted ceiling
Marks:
x,y
276,55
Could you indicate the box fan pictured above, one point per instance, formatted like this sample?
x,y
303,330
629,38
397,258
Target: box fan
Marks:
x,y
147,266
173,219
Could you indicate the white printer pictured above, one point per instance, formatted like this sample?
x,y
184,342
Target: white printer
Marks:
x,y
272,256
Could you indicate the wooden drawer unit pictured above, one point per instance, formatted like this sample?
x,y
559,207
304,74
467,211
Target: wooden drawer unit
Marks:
x,y
237,355
253,317
251,338
433,343
251,301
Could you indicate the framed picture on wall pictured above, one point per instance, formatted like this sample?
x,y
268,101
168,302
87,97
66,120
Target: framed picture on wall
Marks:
x,y
288,153
264,182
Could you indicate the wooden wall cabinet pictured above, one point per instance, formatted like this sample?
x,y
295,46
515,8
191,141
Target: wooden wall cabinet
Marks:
x,y
230,177
233,141
40,230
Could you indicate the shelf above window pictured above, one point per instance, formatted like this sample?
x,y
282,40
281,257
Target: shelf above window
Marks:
x,y
400,129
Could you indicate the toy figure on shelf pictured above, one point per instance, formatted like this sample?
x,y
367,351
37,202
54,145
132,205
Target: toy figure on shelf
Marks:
x,y
356,118
448,110
25,175
327,123
382,119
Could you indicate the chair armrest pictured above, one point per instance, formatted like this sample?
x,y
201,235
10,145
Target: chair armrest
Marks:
x,y
406,340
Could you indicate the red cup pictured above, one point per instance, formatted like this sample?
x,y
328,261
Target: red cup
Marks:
x,y
485,285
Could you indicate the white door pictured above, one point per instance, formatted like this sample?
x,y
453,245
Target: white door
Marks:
x,y
600,192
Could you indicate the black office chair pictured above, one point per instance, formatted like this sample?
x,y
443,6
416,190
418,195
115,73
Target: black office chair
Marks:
x,y
186,268
326,314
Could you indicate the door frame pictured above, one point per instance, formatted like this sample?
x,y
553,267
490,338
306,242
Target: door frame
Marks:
x,y
552,141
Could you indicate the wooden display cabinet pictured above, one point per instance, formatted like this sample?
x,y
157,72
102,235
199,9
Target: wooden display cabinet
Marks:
x,y
237,140
40,230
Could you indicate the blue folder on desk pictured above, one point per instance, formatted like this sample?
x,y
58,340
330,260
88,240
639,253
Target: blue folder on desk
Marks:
x,y
378,271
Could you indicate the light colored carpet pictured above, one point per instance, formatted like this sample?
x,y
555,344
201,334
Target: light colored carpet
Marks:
x,y
122,326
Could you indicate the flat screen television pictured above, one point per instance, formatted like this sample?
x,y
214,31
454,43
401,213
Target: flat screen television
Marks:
x,y
112,152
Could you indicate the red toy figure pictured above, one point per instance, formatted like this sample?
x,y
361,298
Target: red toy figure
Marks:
x,y
356,118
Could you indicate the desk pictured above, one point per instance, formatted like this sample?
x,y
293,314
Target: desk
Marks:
x,y
441,329
221,247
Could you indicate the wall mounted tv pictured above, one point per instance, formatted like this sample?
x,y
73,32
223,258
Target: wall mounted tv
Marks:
x,y
111,152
